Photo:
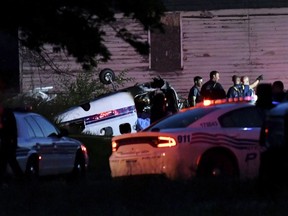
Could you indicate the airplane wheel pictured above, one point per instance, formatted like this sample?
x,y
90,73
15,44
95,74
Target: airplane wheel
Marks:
x,y
32,168
106,76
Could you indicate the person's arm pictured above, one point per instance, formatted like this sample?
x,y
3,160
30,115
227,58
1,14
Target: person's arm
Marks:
x,y
229,93
196,92
193,101
203,90
256,82
221,91
192,97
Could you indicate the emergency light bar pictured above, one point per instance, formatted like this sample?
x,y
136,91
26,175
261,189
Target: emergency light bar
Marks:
x,y
226,100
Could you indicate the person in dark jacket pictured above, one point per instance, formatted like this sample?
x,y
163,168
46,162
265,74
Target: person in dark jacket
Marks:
x,y
171,101
212,89
9,145
194,95
278,92
235,91
158,108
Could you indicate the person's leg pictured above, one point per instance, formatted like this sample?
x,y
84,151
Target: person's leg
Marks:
x,y
18,172
3,167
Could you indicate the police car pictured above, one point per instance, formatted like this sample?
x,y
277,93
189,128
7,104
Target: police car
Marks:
x,y
44,150
274,140
208,141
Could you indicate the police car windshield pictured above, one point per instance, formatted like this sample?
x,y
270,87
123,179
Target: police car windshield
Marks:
x,y
181,119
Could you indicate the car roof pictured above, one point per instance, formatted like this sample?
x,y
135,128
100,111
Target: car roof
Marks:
x,y
280,110
192,115
25,113
228,105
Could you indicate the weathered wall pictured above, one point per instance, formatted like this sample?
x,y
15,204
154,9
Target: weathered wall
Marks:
x,y
243,41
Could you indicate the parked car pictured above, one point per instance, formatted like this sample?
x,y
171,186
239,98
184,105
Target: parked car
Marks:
x,y
44,150
116,112
208,141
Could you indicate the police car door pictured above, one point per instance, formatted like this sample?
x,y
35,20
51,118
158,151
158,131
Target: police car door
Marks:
x,y
242,127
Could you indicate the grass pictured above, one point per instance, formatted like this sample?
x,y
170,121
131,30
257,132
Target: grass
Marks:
x,y
99,150
139,196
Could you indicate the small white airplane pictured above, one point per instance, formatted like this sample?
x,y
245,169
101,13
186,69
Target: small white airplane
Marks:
x,y
113,113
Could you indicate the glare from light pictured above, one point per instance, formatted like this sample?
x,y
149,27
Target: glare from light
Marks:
x,y
114,146
83,148
247,129
168,142
207,102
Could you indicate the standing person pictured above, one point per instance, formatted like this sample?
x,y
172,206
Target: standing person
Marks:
x,y
158,108
278,92
212,89
248,89
143,119
9,145
171,101
235,91
194,93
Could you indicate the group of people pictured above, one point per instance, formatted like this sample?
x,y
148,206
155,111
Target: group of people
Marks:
x,y
164,103
213,90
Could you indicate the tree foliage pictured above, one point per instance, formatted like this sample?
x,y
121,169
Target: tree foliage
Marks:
x,y
75,25
86,87
83,88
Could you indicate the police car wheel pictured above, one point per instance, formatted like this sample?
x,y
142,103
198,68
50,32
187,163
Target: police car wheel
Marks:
x,y
217,165
106,76
32,168
79,169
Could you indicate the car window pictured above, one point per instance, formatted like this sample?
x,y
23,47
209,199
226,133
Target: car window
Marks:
x,y
30,131
24,129
37,132
181,119
47,127
242,117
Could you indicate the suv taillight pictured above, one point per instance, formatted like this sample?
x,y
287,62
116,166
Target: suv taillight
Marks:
x,y
158,142
166,142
